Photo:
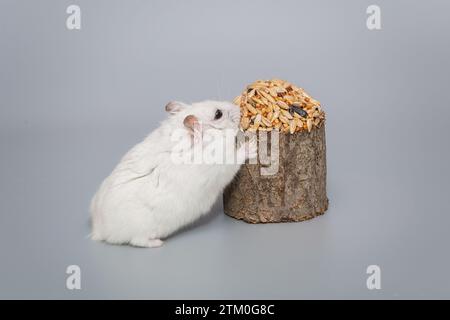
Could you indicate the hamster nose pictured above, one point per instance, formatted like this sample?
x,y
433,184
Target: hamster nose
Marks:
x,y
236,116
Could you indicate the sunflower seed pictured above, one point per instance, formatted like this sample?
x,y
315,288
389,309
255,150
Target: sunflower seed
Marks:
x,y
298,110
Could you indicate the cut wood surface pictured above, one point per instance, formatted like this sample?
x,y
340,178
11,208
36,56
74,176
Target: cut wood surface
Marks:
x,y
296,192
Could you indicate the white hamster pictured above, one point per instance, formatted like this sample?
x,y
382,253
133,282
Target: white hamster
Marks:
x,y
149,195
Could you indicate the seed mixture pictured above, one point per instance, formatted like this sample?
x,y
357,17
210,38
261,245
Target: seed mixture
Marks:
x,y
276,104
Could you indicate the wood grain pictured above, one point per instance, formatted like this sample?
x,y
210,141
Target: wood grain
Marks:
x,y
297,192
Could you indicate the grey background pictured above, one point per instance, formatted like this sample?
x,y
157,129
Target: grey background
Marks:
x,y
73,102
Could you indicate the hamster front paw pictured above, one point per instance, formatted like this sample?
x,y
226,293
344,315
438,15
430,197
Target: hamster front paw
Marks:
x,y
248,150
252,148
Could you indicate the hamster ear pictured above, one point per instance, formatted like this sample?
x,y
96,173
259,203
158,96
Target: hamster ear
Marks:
x,y
191,122
193,125
175,106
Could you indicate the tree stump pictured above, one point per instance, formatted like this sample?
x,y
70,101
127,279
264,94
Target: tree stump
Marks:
x,y
296,192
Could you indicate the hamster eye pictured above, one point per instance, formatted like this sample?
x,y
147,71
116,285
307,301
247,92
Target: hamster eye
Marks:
x,y
218,114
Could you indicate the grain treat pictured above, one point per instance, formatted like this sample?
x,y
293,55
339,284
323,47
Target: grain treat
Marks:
x,y
295,187
276,104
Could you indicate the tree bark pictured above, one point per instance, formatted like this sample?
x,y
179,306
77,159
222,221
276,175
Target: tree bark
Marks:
x,y
296,192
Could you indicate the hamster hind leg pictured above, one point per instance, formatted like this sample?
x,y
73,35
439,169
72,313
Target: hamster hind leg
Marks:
x,y
145,242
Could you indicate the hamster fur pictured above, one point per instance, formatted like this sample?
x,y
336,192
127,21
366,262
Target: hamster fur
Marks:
x,y
148,196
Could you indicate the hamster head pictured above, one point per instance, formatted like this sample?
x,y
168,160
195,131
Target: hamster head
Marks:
x,y
218,115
